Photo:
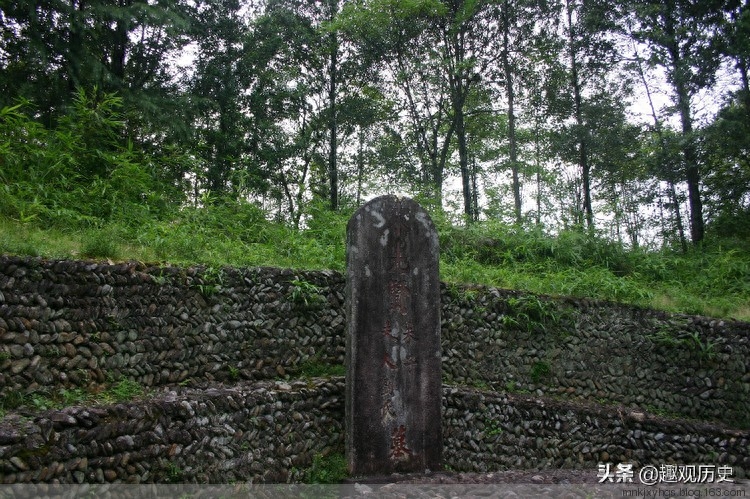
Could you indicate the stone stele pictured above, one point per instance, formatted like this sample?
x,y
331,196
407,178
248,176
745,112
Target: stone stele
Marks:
x,y
393,372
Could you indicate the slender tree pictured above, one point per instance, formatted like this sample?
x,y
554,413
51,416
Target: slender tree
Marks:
x,y
663,166
509,21
682,36
726,140
576,84
333,72
286,108
736,35
591,54
523,25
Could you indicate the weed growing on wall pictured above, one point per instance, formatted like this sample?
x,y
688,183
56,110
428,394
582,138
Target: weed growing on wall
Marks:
x,y
317,368
704,351
539,371
125,389
532,313
462,293
42,400
512,387
173,472
159,279
212,280
305,294
493,428
73,396
327,469
12,400
480,384
666,336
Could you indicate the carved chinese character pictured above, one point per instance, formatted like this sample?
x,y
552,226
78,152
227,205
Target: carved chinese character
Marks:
x,y
389,362
398,292
387,414
397,260
388,331
387,411
399,450
409,361
409,332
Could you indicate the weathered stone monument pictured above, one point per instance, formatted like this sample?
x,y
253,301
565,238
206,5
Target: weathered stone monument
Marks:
x,y
393,375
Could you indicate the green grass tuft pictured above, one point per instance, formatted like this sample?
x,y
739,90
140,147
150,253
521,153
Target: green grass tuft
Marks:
x,y
100,244
327,469
314,368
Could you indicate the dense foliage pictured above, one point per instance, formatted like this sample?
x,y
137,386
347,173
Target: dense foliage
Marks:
x,y
245,133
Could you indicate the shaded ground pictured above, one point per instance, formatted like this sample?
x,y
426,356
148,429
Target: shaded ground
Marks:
x,y
561,476
557,483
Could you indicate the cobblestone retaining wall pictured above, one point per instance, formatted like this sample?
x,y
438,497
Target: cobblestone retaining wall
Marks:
x,y
487,431
689,366
265,433
71,325
76,324
269,432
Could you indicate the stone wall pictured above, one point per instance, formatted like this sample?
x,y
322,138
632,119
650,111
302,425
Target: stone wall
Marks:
x,y
693,367
73,324
68,325
269,432
266,432
487,431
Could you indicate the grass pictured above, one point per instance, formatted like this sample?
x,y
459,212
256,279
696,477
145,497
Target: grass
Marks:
x,y
539,371
28,240
42,400
327,469
315,368
305,293
713,280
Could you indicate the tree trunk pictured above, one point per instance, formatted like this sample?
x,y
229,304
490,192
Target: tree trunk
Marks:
x,y
360,164
694,195
509,90
662,144
459,87
120,47
741,63
538,193
332,125
583,162
75,54
689,154
742,67
538,168
474,188
677,214
463,156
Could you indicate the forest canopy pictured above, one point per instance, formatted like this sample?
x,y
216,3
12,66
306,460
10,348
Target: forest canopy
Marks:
x,y
221,131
